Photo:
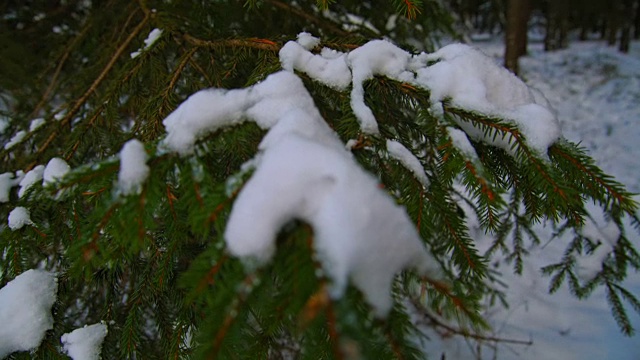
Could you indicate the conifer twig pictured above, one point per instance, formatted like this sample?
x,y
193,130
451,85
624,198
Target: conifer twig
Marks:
x,y
58,70
103,74
254,43
463,332
179,69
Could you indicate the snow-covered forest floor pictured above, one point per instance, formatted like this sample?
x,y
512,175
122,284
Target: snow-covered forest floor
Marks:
x,y
596,93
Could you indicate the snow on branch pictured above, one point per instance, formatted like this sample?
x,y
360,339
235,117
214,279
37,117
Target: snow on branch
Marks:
x,y
303,170
457,74
84,343
25,311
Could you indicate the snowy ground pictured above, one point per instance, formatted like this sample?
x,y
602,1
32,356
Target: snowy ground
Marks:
x,y
596,93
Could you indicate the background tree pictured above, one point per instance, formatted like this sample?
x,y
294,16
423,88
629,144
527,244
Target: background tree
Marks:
x,y
137,226
518,12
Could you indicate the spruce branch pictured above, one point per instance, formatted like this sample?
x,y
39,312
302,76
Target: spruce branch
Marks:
x,y
56,73
92,88
593,175
410,8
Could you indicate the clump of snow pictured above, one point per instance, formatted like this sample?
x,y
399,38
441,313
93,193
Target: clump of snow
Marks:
x,y
25,311
281,96
330,68
16,139
408,160
19,217
303,171
6,182
36,124
133,167
461,142
360,233
55,170
472,81
84,343
153,36
377,57
33,176
307,40
457,73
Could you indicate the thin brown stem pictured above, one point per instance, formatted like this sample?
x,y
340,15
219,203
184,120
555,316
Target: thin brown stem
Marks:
x,y
435,321
58,70
103,74
254,43
179,69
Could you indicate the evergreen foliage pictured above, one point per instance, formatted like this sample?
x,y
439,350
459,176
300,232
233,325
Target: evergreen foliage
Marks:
x,y
153,264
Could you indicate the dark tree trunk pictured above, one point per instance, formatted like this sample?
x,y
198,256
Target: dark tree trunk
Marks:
x,y
557,25
523,28
513,38
636,22
627,23
613,22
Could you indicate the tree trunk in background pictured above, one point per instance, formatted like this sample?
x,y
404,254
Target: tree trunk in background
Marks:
x,y
557,25
636,33
627,23
613,22
513,37
523,27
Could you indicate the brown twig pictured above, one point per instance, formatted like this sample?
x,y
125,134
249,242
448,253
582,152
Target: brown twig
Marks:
x,y
57,71
433,320
254,43
103,74
179,69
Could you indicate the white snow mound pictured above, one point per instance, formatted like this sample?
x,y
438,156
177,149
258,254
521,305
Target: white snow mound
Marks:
x,y
55,170
25,311
30,178
133,167
18,218
84,343
457,74
303,171
359,231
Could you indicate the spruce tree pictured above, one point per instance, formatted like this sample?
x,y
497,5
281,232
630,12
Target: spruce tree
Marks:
x,y
153,199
